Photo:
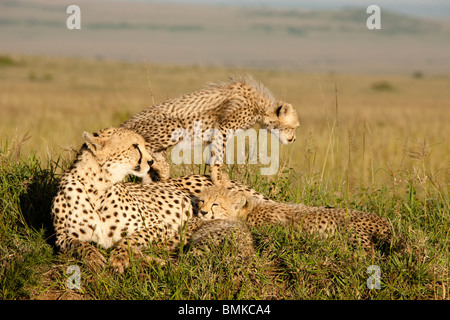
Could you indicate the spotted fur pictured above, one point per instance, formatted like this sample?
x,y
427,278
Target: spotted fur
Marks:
x,y
218,202
93,207
240,103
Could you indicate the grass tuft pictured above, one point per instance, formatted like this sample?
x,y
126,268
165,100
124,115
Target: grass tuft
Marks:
x,y
288,263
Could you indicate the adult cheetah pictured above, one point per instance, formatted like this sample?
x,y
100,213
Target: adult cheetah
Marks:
x,y
219,202
93,205
240,103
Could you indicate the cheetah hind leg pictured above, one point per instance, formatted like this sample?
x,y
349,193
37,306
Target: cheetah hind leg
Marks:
x,y
359,239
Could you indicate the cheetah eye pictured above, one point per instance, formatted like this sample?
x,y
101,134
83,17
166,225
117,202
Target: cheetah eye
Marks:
x,y
200,202
136,146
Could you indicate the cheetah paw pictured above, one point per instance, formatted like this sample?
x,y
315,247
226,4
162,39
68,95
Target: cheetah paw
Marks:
x,y
142,257
151,260
119,263
95,260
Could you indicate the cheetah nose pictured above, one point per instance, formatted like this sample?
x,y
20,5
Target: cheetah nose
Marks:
x,y
150,162
203,212
291,140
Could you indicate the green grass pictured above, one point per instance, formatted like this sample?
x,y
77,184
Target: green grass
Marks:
x,y
288,264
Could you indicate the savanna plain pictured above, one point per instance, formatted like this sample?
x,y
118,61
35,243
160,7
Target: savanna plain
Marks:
x,y
372,142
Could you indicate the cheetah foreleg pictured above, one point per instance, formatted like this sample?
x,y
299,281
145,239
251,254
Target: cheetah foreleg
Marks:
x,y
120,259
87,251
135,244
215,167
160,169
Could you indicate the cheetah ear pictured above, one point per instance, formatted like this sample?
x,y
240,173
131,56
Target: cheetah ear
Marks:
x,y
283,109
242,203
93,141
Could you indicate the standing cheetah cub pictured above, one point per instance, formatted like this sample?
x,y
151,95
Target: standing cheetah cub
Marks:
x,y
240,103
218,202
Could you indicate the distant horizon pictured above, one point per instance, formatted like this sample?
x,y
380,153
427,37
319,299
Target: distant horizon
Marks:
x,y
439,9
423,8
174,32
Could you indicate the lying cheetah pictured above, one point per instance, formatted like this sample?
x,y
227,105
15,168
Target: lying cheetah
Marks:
x,y
218,202
240,103
92,205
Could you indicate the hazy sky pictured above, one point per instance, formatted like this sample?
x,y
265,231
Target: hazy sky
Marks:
x,y
431,8
229,36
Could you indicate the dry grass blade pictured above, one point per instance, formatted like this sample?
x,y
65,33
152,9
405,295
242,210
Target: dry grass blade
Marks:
x,y
148,79
421,152
25,138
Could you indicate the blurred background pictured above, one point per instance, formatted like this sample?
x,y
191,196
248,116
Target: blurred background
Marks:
x,y
317,36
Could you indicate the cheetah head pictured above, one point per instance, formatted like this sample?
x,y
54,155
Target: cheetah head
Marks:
x,y
282,120
119,152
218,202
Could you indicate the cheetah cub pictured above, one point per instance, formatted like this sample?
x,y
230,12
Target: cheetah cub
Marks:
x,y
218,202
240,103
